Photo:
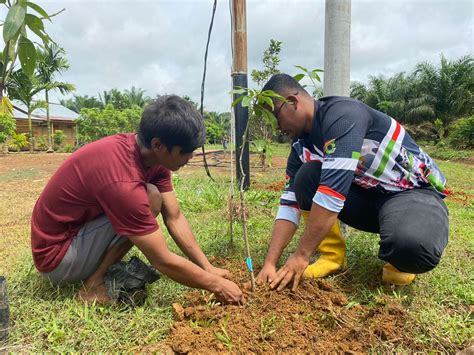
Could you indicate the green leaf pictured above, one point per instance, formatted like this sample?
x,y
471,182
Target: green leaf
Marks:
x,y
34,22
38,9
13,22
246,101
315,76
303,69
298,77
27,55
267,100
274,95
236,101
269,118
11,49
36,25
238,91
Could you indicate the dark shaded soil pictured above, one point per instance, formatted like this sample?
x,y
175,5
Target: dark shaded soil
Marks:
x,y
316,318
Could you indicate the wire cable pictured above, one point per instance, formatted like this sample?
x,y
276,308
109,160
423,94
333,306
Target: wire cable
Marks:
x,y
203,82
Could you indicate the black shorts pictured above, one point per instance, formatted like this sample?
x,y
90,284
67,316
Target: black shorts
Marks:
x,y
413,224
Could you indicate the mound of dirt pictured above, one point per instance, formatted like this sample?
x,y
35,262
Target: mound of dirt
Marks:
x,y
316,318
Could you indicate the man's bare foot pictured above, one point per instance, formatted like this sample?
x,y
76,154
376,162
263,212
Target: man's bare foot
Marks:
x,y
97,293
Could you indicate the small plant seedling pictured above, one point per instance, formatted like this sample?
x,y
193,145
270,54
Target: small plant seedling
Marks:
x,y
211,301
351,304
201,323
222,335
268,326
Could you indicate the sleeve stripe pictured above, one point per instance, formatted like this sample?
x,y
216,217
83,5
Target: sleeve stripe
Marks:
x,y
288,213
288,195
330,203
340,164
330,192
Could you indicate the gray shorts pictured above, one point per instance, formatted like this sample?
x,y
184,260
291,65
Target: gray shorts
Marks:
x,y
86,251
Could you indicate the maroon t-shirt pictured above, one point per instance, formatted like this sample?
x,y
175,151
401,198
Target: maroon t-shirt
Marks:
x,y
107,176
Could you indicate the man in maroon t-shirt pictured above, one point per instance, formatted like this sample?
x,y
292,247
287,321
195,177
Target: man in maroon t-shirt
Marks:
x,y
105,198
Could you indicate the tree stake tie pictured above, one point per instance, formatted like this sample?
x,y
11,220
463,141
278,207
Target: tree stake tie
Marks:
x,y
249,264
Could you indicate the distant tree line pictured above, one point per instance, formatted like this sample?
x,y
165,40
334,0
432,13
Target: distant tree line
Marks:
x,y
427,93
116,111
434,101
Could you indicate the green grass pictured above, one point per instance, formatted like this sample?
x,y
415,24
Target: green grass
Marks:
x,y
46,318
19,175
445,152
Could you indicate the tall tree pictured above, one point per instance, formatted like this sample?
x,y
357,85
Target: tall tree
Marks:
x,y
259,126
396,96
136,97
451,84
79,102
270,60
22,19
24,88
51,61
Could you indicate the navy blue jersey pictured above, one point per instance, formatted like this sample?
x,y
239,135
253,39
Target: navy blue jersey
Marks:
x,y
356,145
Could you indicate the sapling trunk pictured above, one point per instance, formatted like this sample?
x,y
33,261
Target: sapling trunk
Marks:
x,y
242,210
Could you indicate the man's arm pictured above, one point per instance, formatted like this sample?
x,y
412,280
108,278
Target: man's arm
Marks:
x,y
283,232
183,271
319,223
182,234
286,222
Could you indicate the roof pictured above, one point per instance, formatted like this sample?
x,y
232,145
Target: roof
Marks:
x,y
57,112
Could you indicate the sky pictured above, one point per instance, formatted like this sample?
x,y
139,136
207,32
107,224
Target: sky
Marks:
x,y
159,45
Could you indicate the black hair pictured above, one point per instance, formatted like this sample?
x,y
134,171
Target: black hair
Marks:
x,y
174,121
282,84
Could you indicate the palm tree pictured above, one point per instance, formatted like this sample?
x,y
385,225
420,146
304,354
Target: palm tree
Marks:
x,y
51,61
397,96
79,102
23,88
136,96
451,85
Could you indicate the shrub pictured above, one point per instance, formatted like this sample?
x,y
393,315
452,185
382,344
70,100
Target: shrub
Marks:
x,y
42,143
424,131
58,137
7,126
95,123
462,133
68,148
18,142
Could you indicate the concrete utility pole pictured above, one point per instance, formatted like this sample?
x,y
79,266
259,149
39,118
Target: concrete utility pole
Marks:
x,y
337,48
239,78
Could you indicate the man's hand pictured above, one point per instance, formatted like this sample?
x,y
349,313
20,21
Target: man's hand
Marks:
x,y
292,270
217,271
267,274
228,292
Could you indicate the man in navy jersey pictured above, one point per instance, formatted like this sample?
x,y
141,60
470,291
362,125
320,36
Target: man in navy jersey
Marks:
x,y
105,198
356,164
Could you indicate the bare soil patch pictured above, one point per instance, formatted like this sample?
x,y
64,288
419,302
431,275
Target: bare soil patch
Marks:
x,y
318,317
461,197
47,163
22,178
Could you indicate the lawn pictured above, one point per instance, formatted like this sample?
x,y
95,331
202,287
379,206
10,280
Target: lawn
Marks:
x,y
47,318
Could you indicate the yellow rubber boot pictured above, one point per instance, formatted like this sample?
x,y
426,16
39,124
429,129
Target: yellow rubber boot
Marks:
x,y
332,250
392,275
